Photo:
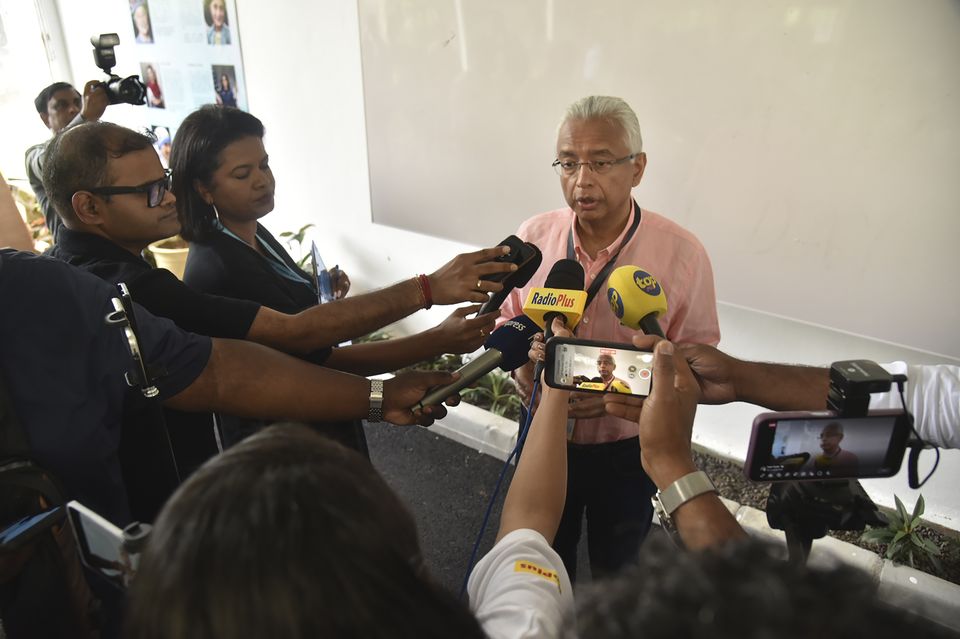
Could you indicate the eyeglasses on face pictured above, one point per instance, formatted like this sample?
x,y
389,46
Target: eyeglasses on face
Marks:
x,y
569,167
155,190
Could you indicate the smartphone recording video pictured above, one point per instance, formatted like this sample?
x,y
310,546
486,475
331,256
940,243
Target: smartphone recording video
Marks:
x,y
821,446
101,545
598,367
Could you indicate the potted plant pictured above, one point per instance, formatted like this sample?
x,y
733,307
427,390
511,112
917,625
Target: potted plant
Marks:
x,y
171,254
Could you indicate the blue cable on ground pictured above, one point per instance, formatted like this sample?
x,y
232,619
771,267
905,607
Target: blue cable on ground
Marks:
x,y
521,438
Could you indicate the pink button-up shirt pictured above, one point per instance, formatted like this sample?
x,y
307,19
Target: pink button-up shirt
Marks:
x,y
664,249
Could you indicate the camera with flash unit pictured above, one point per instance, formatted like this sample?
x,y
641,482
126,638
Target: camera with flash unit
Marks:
x,y
129,90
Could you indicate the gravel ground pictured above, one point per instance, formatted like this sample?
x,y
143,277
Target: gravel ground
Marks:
x,y
731,483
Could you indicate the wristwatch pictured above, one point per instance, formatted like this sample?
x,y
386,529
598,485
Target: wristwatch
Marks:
x,y
678,493
376,401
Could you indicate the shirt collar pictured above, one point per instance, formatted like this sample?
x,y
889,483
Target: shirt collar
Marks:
x,y
609,250
78,243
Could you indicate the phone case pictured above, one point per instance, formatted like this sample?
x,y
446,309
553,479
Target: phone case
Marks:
x,y
764,465
519,254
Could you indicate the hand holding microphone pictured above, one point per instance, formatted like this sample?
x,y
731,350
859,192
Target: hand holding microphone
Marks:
x,y
637,299
562,296
507,348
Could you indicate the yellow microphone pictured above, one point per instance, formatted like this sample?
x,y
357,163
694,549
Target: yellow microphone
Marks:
x,y
637,299
562,295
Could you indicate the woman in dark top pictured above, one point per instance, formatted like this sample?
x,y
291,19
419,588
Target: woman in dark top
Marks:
x,y
224,185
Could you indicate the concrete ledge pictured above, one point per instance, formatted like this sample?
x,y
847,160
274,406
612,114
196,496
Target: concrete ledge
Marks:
x,y
479,429
928,596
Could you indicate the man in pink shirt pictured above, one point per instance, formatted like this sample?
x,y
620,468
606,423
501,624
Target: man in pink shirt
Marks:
x,y
600,159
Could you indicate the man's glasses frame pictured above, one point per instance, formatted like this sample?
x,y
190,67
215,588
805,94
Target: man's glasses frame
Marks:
x,y
569,167
155,190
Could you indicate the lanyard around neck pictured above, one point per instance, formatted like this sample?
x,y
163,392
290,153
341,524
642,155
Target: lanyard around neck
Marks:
x,y
605,271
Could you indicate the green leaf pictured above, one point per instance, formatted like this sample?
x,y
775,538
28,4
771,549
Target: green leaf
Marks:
x,y
877,535
915,539
900,535
918,508
901,510
287,234
931,547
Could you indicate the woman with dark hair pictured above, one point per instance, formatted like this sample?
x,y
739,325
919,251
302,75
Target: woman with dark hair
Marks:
x,y
154,93
224,185
289,536
226,96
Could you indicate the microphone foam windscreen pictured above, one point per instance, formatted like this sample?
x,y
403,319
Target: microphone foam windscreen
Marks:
x,y
633,294
513,340
565,274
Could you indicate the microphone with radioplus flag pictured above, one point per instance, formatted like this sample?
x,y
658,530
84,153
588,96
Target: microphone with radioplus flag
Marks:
x,y
637,299
507,347
561,295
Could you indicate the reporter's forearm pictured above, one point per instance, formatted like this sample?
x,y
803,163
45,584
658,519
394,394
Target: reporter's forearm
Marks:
x,y
704,521
384,356
781,386
335,322
539,487
249,380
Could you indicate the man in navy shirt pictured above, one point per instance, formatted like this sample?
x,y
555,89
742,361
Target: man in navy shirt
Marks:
x,y
64,370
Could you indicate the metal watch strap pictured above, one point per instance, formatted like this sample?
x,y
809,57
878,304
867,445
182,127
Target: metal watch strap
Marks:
x,y
680,492
376,401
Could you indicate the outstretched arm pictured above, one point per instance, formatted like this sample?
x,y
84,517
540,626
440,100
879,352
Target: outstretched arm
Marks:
x,y
13,232
725,379
456,334
666,425
249,380
539,487
340,320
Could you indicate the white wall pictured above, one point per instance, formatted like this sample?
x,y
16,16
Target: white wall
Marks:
x,y
304,80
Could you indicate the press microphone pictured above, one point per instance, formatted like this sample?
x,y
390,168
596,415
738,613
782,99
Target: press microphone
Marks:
x,y
637,299
507,347
562,295
531,260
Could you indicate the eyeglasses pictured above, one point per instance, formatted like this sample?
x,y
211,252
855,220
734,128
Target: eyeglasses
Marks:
x,y
155,190
569,167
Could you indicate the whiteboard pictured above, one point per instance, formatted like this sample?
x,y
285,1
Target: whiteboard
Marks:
x,y
814,148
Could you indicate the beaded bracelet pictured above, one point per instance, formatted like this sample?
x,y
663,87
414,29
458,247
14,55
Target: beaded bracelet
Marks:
x,y
424,285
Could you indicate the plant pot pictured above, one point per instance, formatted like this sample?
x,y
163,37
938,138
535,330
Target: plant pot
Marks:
x,y
171,254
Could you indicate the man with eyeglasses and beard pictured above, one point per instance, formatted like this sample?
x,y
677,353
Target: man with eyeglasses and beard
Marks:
x,y
600,159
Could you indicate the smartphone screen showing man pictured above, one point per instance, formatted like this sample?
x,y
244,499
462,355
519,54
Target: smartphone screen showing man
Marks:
x,y
798,446
598,367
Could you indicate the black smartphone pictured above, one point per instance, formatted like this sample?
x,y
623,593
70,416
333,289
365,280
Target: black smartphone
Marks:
x,y
520,254
598,367
101,545
23,531
818,445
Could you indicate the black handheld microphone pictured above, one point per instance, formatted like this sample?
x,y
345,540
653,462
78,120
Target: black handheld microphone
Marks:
x,y
507,347
518,278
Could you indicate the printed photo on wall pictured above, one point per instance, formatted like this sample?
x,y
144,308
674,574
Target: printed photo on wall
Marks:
x,y
163,138
215,15
225,83
148,72
140,16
